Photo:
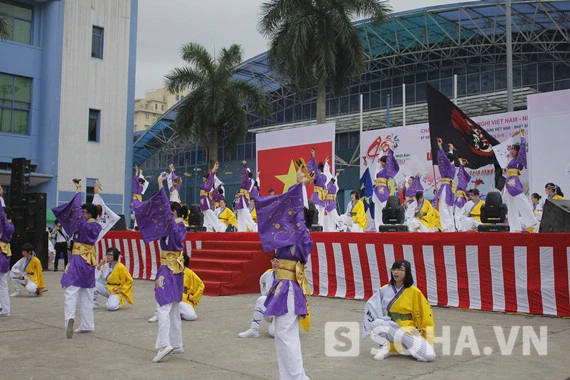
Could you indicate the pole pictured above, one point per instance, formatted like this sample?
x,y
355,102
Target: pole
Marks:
x,y
361,113
403,104
455,89
509,23
388,112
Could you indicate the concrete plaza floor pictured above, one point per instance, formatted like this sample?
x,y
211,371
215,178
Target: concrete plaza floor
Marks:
x,y
33,344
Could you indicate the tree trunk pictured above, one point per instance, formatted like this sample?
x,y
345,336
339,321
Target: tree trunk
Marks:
x,y
213,148
321,103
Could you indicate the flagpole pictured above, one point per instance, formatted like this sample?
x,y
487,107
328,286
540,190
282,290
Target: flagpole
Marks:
x,y
403,104
361,112
508,21
388,112
455,89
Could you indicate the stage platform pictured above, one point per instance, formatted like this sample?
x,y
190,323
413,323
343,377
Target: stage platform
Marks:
x,y
504,272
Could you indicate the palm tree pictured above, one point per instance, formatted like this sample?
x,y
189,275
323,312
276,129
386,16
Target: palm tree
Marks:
x,y
5,29
218,103
314,43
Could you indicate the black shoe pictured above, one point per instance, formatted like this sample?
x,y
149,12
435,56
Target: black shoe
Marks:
x,y
55,269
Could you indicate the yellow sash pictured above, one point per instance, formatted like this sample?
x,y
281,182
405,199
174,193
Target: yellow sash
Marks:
x,y
513,172
460,194
322,192
448,181
137,197
204,193
381,182
86,251
245,193
5,248
295,271
173,260
331,197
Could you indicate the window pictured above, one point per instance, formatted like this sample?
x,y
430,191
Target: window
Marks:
x,y
15,103
97,42
156,106
147,116
94,123
177,97
19,20
162,107
90,190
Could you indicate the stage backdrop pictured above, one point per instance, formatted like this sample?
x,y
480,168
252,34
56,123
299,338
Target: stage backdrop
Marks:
x,y
412,149
524,273
277,150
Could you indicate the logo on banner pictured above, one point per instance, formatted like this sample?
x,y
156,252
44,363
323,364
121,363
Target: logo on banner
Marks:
x,y
479,143
379,147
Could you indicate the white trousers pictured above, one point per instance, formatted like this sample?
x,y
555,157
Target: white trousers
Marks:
x,y
519,212
332,220
414,225
113,301
469,224
212,223
85,295
288,343
245,221
169,326
416,346
4,296
446,212
459,216
30,286
187,312
378,207
322,220
258,313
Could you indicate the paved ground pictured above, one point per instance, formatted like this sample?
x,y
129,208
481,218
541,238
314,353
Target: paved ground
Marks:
x,y
33,344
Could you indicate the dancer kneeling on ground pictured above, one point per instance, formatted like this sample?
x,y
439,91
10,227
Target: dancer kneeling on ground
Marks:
x,y
421,216
265,283
27,273
113,281
399,318
354,219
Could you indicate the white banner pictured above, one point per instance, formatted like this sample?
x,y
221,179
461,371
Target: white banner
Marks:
x,y
412,149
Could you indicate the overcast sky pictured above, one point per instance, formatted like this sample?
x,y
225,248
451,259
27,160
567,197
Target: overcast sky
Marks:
x,y
165,25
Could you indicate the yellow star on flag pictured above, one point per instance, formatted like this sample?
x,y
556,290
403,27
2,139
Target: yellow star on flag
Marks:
x,y
288,179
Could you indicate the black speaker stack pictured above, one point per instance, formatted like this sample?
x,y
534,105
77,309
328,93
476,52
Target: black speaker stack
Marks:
x,y
28,213
555,216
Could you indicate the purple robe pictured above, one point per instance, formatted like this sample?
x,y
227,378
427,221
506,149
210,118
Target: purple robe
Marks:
x,y
514,185
392,168
7,231
463,179
246,184
156,221
411,191
205,201
281,226
446,170
217,197
78,272
320,180
137,187
332,190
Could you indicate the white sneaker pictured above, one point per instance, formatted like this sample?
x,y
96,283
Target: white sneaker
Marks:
x,y
83,331
15,294
178,351
69,328
383,352
249,334
271,330
153,319
162,354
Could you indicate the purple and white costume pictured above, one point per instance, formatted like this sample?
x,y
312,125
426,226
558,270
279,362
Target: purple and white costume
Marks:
x,y
446,191
381,190
6,232
463,179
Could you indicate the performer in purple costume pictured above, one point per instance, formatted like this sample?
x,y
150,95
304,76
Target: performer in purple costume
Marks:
x,y
175,181
414,185
78,280
389,169
319,196
282,228
332,213
244,219
519,209
447,189
158,218
6,232
463,179
206,205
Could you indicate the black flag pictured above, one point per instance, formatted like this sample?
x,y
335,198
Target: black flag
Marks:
x,y
448,122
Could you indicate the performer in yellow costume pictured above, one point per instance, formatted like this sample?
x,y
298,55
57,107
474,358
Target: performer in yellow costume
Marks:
x,y
399,317
113,281
27,273
354,219
226,215
193,290
421,216
472,212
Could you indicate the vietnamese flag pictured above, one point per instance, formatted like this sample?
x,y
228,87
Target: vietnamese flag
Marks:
x,y
277,151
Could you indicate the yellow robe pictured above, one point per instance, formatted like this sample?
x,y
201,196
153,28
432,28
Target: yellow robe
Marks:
x,y
557,197
359,215
35,272
193,288
228,218
429,216
254,215
121,279
412,311
476,211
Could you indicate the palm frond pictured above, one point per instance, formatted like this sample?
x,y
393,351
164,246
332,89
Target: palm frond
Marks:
x,y
5,28
182,78
197,55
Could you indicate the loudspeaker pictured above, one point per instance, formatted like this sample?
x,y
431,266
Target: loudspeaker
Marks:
x,y
393,228
311,215
40,242
195,229
555,216
195,216
19,221
493,228
121,224
19,181
35,211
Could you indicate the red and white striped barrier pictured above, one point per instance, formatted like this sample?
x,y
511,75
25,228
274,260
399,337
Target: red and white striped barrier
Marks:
x,y
525,273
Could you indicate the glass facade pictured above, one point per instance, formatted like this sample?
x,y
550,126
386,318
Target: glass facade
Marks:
x,y
15,103
20,21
